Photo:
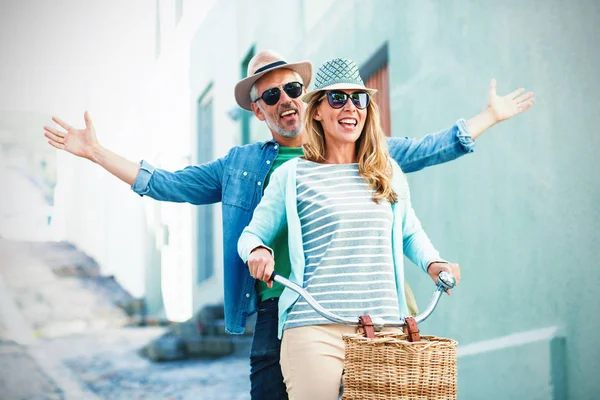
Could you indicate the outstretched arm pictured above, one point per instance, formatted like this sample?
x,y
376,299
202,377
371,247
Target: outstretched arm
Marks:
x,y
447,145
84,143
199,184
436,148
499,108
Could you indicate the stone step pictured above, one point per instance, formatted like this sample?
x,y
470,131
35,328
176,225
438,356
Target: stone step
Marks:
x,y
170,347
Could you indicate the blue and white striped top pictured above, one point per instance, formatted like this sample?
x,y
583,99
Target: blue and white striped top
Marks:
x,y
347,245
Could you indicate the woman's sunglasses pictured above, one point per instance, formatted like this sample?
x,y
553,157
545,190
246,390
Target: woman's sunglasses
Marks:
x,y
338,99
271,96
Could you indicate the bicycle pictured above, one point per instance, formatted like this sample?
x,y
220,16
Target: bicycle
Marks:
x,y
389,365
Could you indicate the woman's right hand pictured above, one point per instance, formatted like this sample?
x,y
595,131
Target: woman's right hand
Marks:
x,y
80,142
261,265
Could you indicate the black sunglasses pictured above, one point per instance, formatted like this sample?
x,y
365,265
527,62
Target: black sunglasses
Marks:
x,y
271,96
338,99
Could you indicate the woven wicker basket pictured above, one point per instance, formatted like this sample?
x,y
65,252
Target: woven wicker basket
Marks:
x,y
391,367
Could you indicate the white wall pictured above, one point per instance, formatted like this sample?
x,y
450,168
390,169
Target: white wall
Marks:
x,y
101,57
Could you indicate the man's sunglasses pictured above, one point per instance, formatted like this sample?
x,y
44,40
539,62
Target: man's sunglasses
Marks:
x,y
338,99
271,96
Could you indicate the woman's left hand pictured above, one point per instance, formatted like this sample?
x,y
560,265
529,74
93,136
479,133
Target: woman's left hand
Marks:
x,y
435,268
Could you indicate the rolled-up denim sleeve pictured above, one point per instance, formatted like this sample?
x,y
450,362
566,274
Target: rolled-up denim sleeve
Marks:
x,y
436,148
141,184
198,184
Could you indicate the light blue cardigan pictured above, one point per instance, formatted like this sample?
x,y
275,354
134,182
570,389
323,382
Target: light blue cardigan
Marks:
x,y
279,204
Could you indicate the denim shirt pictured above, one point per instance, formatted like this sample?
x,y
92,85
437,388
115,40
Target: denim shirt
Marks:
x,y
236,180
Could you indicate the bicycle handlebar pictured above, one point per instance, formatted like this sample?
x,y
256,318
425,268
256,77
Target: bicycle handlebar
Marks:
x,y
445,282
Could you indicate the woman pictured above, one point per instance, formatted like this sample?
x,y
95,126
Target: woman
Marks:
x,y
350,222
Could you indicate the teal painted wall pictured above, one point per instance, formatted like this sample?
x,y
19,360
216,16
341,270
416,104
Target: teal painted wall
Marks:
x,y
521,214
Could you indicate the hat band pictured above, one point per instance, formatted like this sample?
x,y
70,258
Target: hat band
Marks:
x,y
339,80
269,66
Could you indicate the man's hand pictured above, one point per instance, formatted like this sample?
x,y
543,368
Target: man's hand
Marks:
x,y
435,268
499,108
80,142
505,107
261,265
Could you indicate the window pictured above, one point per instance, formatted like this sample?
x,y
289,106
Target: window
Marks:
x,y
204,153
376,76
157,34
246,115
178,10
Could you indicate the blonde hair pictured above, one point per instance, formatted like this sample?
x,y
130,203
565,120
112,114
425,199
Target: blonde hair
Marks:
x,y
371,150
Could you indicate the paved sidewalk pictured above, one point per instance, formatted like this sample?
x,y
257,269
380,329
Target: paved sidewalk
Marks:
x,y
60,339
107,365
21,376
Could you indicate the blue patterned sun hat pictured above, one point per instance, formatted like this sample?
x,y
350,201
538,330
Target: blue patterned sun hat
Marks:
x,y
336,74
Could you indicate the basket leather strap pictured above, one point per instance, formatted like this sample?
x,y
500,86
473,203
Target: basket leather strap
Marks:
x,y
411,330
367,325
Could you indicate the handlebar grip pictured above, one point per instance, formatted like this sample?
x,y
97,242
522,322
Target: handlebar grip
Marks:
x,y
446,280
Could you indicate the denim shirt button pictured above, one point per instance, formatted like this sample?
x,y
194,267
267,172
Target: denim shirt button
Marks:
x,y
268,162
245,173
247,294
275,147
258,183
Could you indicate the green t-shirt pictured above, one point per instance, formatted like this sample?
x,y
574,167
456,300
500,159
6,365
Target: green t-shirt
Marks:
x,y
280,243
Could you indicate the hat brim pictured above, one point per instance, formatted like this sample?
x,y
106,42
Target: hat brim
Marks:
x,y
337,86
243,87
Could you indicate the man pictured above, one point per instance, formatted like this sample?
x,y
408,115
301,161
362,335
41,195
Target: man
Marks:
x,y
272,92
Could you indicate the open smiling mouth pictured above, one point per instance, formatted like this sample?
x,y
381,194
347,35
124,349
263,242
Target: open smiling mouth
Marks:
x,y
348,122
288,113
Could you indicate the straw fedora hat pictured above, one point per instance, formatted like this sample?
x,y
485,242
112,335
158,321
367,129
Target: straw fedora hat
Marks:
x,y
262,63
336,74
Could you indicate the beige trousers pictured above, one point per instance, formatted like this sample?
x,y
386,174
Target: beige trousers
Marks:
x,y
312,361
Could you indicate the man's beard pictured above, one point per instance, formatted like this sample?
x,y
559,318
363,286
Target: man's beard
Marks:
x,y
287,133
280,130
